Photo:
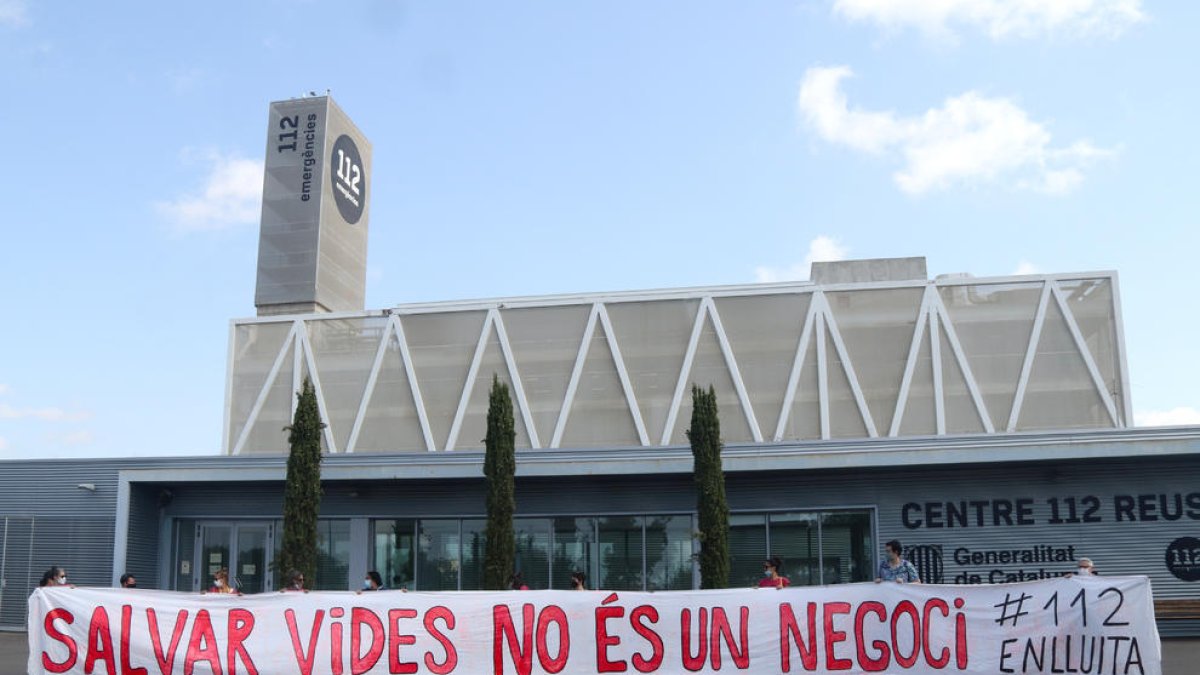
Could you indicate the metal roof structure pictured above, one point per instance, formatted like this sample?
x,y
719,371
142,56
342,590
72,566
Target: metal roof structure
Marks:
x,y
789,362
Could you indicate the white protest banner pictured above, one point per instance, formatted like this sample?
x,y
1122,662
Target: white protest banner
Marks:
x,y
1068,625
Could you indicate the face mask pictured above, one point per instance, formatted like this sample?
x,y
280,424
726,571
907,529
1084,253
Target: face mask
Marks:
x,y
1085,571
366,584
766,572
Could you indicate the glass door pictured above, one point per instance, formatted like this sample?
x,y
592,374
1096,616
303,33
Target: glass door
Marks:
x,y
243,548
253,542
214,553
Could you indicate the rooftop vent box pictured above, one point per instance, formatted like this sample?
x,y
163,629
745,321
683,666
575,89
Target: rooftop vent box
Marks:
x,y
866,271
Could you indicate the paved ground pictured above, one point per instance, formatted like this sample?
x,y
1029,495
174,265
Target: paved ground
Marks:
x,y
13,652
1179,656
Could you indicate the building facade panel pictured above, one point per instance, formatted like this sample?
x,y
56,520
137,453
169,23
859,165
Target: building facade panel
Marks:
x,y
968,510
851,361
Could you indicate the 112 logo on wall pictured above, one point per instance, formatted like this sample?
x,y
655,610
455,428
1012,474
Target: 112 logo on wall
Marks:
x,y
1183,558
349,179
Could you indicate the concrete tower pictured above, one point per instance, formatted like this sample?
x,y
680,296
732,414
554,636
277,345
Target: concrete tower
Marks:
x,y
312,247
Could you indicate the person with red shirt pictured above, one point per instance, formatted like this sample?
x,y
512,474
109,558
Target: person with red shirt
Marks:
x,y
771,576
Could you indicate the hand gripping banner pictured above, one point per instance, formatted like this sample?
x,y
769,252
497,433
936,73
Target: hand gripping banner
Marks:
x,y
1069,625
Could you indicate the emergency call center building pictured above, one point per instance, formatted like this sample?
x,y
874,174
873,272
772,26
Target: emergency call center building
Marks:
x,y
984,422
980,421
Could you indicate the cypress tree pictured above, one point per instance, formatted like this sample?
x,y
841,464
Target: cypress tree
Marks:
x,y
499,466
705,437
302,491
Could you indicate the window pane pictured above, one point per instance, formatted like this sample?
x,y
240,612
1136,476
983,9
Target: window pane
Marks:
x,y
251,572
438,561
620,553
573,542
668,553
993,323
186,549
394,552
214,550
653,337
333,556
533,551
474,538
847,546
747,548
794,539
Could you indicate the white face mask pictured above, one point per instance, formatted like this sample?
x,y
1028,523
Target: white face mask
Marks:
x,y
1085,571
366,584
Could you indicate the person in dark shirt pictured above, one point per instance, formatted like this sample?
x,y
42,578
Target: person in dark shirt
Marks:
x,y
295,581
55,576
373,582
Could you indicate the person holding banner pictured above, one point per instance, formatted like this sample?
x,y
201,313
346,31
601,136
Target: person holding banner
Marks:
x,y
295,581
221,582
373,582
578,581
55,576
895,568
771,577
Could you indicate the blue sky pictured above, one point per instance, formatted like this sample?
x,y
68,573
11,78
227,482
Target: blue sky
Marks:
x,y
545,147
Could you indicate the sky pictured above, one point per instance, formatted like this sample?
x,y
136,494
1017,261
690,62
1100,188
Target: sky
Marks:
x,y
540,147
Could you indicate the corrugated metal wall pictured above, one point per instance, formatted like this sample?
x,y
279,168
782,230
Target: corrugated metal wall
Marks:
x,y
50,520
16,570
141,557
84,546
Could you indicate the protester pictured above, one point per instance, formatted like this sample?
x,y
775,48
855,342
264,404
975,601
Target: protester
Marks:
x,y
128,581
895,568
517,583
578,581
373,582
295,581
1085,567
221,582
55,576
771,574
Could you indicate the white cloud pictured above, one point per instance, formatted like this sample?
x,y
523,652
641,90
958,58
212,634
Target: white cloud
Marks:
x,y
820,249
48,414
1026,267
231,196
3,443
970,139
999,19
3,389
73,438
14,13
1167,418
